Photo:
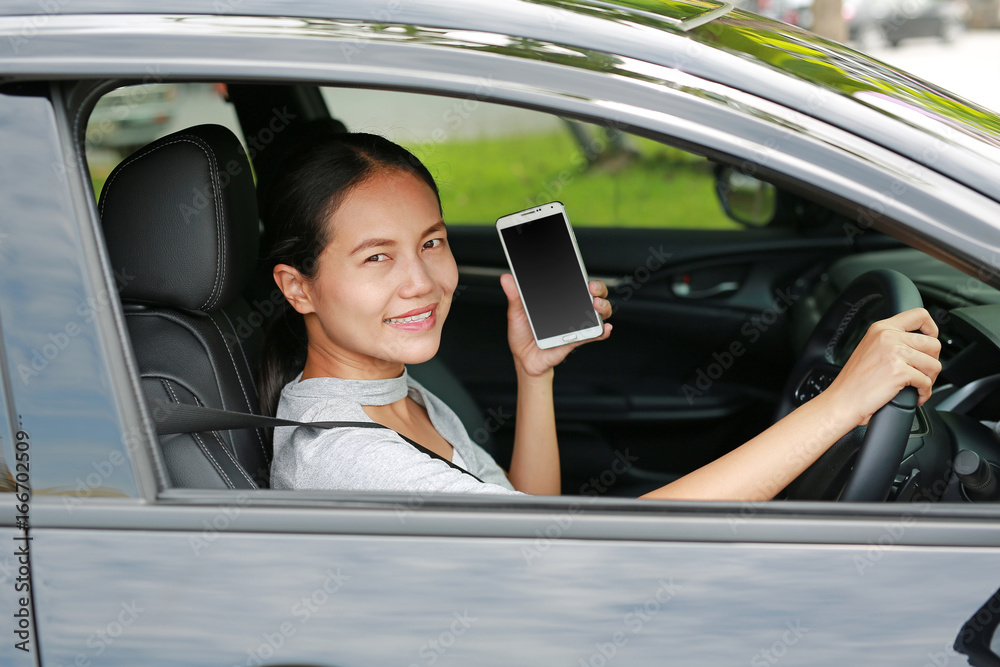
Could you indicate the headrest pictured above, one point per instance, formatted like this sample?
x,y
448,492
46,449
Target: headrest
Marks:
x,y
180,220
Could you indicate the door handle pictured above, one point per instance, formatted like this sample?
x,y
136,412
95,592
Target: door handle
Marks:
x,y
684,290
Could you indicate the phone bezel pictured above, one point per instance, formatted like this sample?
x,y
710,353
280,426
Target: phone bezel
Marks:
x,y
529,215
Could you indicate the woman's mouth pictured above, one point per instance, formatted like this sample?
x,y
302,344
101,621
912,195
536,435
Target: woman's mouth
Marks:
x,y
414,320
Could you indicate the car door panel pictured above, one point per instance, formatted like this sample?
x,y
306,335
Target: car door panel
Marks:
x,y
203,588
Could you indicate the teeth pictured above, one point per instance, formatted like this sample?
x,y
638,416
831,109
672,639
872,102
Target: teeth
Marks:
x,y
415,318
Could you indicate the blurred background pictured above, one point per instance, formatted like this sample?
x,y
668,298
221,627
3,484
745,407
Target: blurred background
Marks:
x,y
953,43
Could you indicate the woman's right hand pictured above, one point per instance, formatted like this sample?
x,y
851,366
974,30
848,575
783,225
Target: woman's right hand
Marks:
x,y
528,357
891,356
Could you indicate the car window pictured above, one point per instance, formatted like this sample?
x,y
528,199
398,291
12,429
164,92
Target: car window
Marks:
x,y
490,160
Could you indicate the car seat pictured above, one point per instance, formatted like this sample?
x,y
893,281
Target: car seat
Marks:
x,y
180,220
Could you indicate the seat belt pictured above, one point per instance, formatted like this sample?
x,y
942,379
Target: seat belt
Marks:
x,y
173,418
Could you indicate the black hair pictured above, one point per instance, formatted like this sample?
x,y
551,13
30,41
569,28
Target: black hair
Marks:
x,y
299,202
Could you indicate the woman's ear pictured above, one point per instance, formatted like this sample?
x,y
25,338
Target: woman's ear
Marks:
x,y
294,286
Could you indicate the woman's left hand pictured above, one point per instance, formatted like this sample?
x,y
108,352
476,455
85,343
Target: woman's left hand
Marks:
x,y
528,357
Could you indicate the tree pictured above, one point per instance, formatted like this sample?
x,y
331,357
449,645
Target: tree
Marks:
x,y
828,19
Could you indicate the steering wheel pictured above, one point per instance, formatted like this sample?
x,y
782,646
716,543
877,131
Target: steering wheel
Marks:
x,y
879,447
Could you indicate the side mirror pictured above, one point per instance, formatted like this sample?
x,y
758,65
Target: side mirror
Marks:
x,y
747,200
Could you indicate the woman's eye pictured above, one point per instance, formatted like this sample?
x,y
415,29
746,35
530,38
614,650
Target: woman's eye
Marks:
x,y
434,243
381,257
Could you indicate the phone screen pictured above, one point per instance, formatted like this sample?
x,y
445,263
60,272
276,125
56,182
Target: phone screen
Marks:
x,y
548,272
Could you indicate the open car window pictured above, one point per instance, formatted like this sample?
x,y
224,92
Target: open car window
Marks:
x,y
488,159
695,264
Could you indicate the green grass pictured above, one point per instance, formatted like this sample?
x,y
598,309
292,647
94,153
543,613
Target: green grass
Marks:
x,y
660,187
484,179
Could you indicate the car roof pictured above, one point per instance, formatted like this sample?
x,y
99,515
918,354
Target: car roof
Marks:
x,y
823,79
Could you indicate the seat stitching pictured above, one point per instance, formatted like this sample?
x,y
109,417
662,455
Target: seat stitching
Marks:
x,y
204,448
242,389
225,449
218,224
197,438
233,458
221,266
238,378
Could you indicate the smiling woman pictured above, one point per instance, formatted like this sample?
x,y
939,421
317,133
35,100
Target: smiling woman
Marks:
x,y
361,255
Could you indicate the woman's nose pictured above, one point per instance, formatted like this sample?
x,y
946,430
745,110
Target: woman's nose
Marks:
x,y
418,279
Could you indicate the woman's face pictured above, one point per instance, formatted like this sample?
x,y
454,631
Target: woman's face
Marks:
x,y
385,282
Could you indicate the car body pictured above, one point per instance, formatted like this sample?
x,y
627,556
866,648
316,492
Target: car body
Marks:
x,y
112,564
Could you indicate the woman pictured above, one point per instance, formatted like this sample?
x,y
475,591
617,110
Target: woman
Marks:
x,y
360,252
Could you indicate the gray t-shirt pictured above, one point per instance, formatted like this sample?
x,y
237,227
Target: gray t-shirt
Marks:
x,y
368,459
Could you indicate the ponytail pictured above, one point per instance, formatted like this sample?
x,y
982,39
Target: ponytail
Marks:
x,y
282,358
296,208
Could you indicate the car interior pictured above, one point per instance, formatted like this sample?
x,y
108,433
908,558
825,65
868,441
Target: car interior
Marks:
x,y
713,316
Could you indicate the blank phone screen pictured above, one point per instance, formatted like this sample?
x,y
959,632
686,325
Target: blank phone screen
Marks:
x,y
548,272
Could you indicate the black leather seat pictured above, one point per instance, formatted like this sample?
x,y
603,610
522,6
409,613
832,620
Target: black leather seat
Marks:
x,y
180,222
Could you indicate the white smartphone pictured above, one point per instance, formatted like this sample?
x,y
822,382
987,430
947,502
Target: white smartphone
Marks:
x,y
545,260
